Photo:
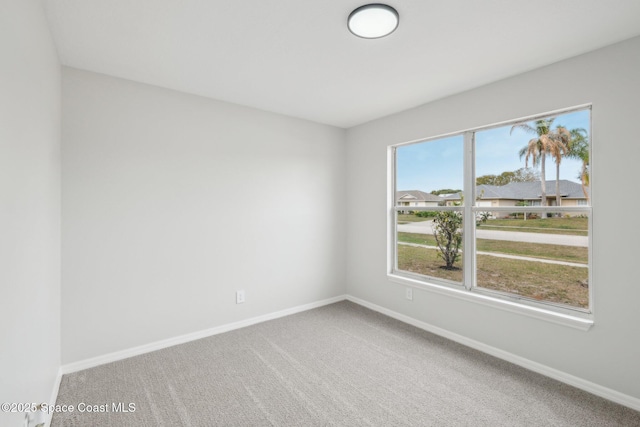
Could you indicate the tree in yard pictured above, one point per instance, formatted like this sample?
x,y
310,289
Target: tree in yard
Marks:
x,y
579,149
446,230
520,175
547,141
563,146
490,179
525,175
445,191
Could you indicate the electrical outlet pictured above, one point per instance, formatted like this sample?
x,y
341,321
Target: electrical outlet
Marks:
x,y
408,294
239,297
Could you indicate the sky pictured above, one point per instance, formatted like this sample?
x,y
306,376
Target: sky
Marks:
x,y
438,164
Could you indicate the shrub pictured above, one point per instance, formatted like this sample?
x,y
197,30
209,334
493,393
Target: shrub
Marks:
x,y
446,230
425,214
482,217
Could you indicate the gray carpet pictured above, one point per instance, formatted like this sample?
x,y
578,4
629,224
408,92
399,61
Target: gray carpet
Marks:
x,y
339,365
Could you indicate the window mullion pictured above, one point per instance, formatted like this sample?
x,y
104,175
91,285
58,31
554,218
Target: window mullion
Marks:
x,y
469,257
392,232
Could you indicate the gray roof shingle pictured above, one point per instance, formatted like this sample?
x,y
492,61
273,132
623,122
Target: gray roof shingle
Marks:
x,y
419,196
527,190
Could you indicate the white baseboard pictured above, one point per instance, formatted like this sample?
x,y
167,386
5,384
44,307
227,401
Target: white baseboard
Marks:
x,y
170,342
593,388
598,390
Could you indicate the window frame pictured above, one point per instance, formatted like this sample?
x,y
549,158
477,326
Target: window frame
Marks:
x,y
575,317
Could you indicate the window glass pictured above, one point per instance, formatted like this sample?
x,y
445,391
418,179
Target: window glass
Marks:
x,y
428,242
518,163
540,255
430,173
538,258
520,230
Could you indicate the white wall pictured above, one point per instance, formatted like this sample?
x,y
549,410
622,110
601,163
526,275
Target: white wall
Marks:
x,y
29,207
608,354
172,202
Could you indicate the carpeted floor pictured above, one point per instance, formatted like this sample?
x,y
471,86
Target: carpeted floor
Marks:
x,y
339,365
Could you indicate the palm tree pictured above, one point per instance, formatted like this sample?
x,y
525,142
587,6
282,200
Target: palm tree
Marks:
x,y
579,149
562,147
547,141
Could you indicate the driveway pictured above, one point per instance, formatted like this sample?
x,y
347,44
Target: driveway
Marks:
x,y
426,227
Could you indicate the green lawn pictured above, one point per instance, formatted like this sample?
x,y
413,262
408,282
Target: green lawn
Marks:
x,y
421,239
405,218
573,226
536,280
533,250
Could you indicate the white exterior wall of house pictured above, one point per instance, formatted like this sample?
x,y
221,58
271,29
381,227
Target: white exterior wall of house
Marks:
x,y
410,200
417,204
427,204
569,202
504,203
508,203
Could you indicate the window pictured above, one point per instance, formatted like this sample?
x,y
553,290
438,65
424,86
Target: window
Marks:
x,y
433,165
509,217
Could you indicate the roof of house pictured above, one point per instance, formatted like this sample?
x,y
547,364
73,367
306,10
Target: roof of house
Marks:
x,y
527,190
417,196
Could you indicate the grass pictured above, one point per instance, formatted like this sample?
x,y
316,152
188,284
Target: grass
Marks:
x,y
405,218
533,250
539,281
425,261
573,226
421,239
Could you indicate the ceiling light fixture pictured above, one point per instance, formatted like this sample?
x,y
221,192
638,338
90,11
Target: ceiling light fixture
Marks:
x,y
373,21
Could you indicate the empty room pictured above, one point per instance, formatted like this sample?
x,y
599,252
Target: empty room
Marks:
x,y
299,213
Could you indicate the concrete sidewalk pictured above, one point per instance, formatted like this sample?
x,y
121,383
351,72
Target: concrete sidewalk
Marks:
x,y
521,258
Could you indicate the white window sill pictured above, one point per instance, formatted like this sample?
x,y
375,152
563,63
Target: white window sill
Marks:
x,y
501,304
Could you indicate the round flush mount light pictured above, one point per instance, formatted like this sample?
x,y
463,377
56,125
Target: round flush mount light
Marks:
x,y
373,21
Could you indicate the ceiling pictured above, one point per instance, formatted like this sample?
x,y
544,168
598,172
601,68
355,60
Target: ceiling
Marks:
x,y
297,57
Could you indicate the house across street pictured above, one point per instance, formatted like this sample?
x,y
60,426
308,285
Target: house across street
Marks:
x,y
518,193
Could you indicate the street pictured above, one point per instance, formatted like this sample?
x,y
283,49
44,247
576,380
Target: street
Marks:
x,y
425,227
